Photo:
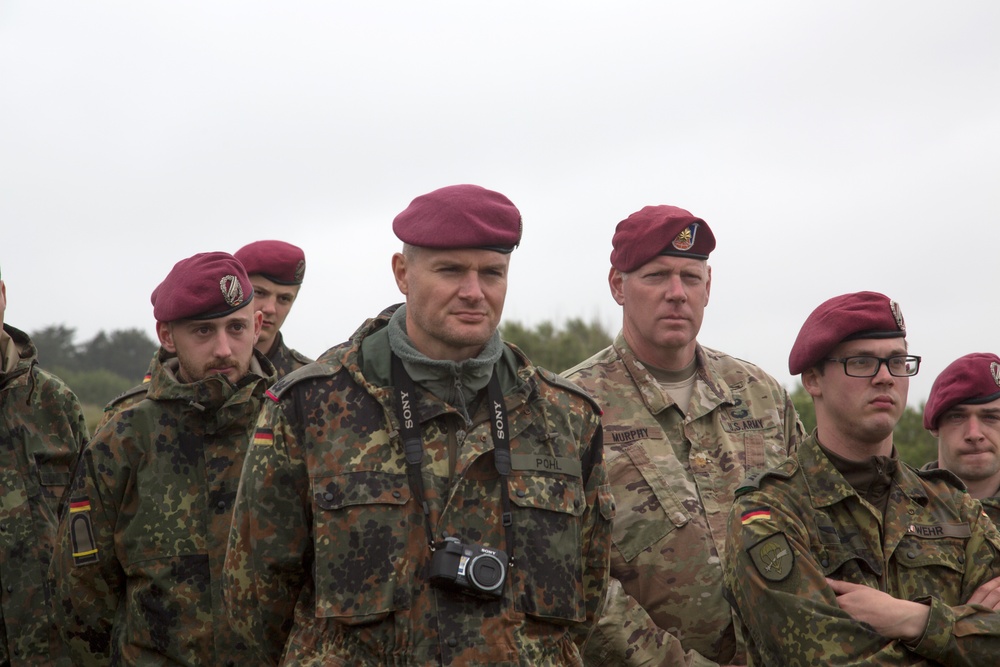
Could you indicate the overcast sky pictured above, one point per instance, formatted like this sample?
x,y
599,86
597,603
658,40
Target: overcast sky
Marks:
x,y
832,147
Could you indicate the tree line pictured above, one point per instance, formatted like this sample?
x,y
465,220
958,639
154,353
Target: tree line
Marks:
x,y
101,368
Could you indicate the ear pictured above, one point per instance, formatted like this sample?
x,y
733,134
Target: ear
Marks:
x,y
166,337
616,281
810,382
258,324
399,272
935,431
708,284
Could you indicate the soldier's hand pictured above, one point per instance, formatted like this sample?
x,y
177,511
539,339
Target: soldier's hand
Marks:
x,y
889,616
988,594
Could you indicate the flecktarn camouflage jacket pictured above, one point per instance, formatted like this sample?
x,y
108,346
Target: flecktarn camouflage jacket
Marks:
x,y
42,431
142,539
328,559
792,527
674,474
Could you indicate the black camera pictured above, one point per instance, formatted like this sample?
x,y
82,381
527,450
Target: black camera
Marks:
x,y
468,568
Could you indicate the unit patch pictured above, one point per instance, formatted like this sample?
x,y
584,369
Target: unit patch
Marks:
x,y
772,557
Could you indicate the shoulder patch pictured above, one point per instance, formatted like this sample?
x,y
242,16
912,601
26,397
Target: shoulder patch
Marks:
x,y
561,382
82,532
946,476
310,370
772,557
128,393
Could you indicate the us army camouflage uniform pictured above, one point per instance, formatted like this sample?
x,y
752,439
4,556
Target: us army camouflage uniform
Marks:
x,y
42,430
141,545
673,477
803,521
326,528
284,359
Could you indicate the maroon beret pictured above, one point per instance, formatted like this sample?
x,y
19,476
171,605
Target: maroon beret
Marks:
x,y
202,287
279,262
460,216
972,379
844,317
659,230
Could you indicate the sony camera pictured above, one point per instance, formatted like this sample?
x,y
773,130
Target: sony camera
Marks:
x,y
468,568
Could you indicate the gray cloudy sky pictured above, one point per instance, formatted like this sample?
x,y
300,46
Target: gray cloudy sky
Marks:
x,y
832,147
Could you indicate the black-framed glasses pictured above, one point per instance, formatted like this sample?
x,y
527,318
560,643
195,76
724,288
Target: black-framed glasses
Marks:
x,y
866,365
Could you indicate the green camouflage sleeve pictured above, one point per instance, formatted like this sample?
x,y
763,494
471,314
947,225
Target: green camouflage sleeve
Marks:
x,y
795,433
597,534
88,577
626,635
270,549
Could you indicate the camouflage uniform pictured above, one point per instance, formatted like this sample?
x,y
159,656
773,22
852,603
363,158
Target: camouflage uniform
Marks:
x,y
139,557
991,504
285,359
801,522
42,430
673,477
326,529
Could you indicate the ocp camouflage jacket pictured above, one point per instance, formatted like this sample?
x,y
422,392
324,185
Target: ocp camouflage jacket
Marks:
x,y
328,559
674,472
142,542
795,525
42,431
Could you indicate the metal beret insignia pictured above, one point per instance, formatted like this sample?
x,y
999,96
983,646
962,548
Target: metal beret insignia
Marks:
x,y
685,239
995,372
897,313
300,270
232,291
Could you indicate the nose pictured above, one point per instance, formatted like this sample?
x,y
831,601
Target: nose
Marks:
x,y
883,376
674,290
267,305
471,289
973,429
222,348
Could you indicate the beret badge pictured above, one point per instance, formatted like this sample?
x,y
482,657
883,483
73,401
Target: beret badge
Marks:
x,y
685,239
300,270
232,291
995,372
897,314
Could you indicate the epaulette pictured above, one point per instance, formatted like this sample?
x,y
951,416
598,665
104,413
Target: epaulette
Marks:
x,y
310,370
753,480
299,357
563,383
942,474
128,393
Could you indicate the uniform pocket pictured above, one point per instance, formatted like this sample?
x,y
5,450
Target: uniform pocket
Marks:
x,y
941,563
360,528
548,576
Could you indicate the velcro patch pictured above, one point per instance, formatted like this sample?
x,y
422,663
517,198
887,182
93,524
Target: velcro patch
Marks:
x,y
772,557
542,462
263,437
934,531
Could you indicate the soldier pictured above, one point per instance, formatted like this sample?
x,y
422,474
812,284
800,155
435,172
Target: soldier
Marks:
x,y
684,425
844,554
42,430
276,270
140,550
423,494
963,413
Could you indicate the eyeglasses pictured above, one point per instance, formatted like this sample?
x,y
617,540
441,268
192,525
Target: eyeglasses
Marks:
x,y
866,366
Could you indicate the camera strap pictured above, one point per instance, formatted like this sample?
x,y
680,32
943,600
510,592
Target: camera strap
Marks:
x,y
413,447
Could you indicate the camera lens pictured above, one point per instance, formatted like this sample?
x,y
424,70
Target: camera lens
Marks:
x,y
486,572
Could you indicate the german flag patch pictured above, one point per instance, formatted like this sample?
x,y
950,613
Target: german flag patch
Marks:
x,y
81,532
263,437
756,514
